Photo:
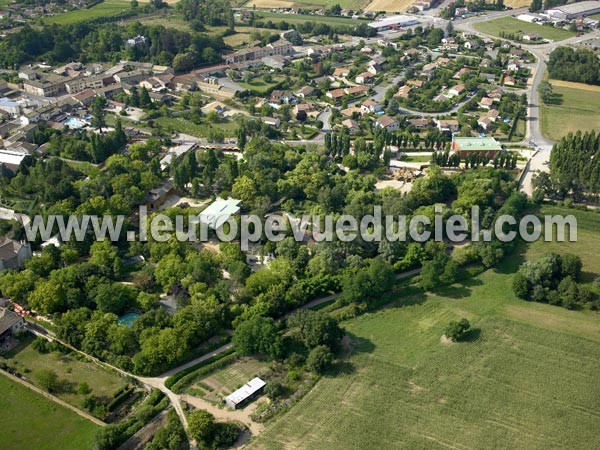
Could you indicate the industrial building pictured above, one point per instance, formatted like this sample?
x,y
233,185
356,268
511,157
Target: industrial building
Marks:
x,y
393,22
575,10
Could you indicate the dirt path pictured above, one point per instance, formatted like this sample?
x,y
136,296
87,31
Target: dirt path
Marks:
x,y
53,398
240,415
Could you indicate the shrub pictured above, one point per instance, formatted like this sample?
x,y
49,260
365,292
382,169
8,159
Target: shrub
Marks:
x,y
457,330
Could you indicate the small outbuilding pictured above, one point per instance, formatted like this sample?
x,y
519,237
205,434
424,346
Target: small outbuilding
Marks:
x,y
245,393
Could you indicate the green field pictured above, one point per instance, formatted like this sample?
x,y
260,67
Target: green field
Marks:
x,y
299,18
579,109
525,379
259,86
30,421
512,25
105,9
70,371
181,125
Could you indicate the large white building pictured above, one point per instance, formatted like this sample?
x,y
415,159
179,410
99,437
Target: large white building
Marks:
x,y
575,10
246,392
393,22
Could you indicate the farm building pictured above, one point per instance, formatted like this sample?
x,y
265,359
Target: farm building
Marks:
x,y
393,22
10,323
484,146
245,393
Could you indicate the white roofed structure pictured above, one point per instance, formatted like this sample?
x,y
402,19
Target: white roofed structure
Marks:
x,y
244,393
218,212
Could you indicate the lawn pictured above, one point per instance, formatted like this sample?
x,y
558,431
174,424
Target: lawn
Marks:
x,y
576,108
104,9
526,377
259,86
512,25
70,371
32,421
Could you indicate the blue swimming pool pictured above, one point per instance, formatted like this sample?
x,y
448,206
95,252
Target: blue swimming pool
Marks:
x,y
128,319
74,123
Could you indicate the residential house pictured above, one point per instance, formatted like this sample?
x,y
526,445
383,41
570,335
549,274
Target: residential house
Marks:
x,y
13,254
352,125
415,83
486,103
157,196
10,324
336,94
456,90
365,78
273,121
387,123
341,72
306,91
509,80
534,37
447,125
461,72
471,44
403,92
370,106
419,123
357,90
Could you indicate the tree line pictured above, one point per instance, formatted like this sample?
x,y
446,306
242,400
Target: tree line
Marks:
x,y
580,65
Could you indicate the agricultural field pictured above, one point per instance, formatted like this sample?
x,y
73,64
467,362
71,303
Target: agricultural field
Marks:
x,y
167,20
108,8
517,3
511,25
575,107
316,4
70,371
298,18
389,5
224,381
32,421
525,377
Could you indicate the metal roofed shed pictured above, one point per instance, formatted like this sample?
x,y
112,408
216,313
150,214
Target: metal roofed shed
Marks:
x,y
218,212
246,392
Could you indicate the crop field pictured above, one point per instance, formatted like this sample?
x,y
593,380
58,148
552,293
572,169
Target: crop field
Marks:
x,y
389,5
107,8
518,27
350,4
32,421
525,378
576,107
181,125
299,18
70,371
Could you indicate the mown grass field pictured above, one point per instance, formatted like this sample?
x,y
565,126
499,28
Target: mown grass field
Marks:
x,y
351,4
525,379
30,421
518,27
575,109
300,18
70,371
389,5
181,125
108,8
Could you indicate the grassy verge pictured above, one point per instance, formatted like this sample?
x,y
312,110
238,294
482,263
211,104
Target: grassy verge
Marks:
x,y
32,421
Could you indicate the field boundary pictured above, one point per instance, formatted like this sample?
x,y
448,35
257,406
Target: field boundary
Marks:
x,y
53,398
575,85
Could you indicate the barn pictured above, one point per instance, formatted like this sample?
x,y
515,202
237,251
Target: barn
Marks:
x,y
245,393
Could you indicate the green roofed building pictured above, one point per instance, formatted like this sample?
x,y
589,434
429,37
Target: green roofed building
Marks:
x,y
485,146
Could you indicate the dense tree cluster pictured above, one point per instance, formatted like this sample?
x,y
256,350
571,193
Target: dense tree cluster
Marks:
x,y
106,42
575,166
553,279
580,65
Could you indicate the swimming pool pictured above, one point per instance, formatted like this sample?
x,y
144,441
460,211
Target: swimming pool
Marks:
x,y
128,319
74,123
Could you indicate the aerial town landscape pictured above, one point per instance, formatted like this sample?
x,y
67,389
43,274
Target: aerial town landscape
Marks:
x,y
312,224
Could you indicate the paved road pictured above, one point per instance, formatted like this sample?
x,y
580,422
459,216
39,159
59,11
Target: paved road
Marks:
x,y
325,117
